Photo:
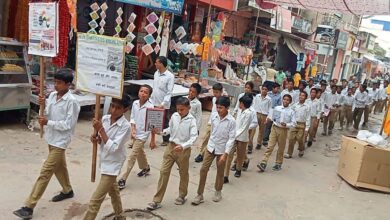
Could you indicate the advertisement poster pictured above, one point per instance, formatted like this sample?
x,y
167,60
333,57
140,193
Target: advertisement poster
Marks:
x,y
42,29
325,34
100,64
154,119
173,6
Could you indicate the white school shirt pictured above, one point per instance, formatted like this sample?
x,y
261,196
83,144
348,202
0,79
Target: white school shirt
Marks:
x,y
347,100
372,96
282,114
182,131
254,122
330,99
213,109
237,108
162,88
243,121
196,111
302,113
113,153
62,119
223,134
383,93
315,107
360,99
294,94
262,105
138,116
344,91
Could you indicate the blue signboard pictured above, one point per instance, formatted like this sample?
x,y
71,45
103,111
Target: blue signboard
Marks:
x,y
174,6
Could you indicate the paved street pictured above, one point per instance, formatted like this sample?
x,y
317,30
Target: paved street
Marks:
x,y
306,188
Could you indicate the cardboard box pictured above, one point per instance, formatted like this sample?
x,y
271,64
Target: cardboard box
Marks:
x,y
364,165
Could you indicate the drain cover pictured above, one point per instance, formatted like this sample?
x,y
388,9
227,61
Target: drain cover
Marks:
x,y
136,214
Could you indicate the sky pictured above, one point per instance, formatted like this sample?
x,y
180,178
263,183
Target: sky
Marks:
x,y
376,29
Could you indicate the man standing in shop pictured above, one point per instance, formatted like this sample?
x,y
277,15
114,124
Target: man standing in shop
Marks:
x,y
162,90
280,77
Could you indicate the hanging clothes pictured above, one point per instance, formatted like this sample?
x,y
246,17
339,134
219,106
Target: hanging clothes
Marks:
x,y
297,77
300,61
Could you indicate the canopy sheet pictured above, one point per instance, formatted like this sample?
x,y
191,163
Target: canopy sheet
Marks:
x,y
357,7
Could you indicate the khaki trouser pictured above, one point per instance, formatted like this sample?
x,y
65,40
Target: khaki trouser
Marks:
x,y
251,136
203,147
314,122
207,161
278,136
182,160
296,135
378,107
340,114
330,120
240,148
357,116
366,113
347,113
54,164
106,185
261,118
137,154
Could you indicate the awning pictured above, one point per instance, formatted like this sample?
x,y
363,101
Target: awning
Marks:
x,y
230,5
357,7
294,46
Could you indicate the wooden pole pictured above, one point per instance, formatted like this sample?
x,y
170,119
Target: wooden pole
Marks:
x,y
94,149
384,118
41,89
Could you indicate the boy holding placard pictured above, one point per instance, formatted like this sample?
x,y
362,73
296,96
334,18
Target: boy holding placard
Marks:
x,y
60,118
113,132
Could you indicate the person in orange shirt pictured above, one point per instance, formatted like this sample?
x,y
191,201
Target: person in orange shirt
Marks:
x,y
297,78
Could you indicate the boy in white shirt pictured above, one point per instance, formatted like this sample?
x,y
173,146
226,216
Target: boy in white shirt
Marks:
x,y
113,132
290,90
243,121
223,134
297,133
360,102
283,118
330,110
217,92
183,133
59,120
248,89
315,114
262,104
196,106
347,102
382,96
139,135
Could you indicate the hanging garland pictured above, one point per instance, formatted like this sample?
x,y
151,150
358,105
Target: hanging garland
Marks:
x,y
63,31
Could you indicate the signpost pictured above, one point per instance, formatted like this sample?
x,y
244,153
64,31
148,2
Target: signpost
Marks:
x,y
43,39
99,70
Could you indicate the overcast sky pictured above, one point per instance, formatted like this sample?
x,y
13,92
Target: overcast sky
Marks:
x,y
376,29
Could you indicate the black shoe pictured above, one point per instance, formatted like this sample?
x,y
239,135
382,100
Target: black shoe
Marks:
x,y
24,213
309,143
245,165
225,179
199,158
249,151
144,172
238,173
258,146
62,196
121,184
277,167
233,168
262,166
